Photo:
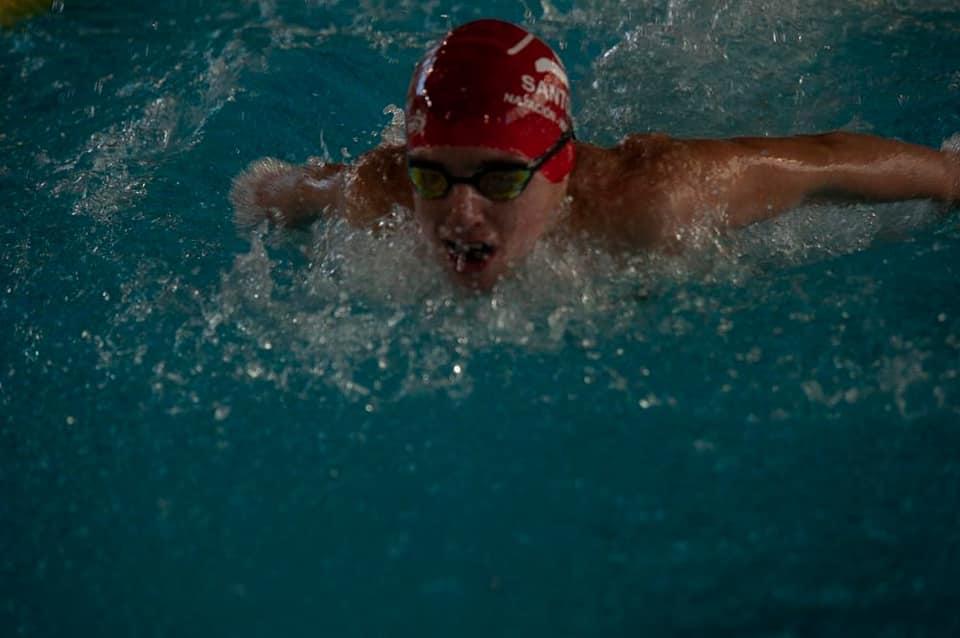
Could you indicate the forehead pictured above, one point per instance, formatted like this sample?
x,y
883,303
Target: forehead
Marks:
x,y
465,156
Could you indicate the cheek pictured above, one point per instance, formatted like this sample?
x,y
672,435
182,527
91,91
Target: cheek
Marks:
x,y
524,227
423,213
536,217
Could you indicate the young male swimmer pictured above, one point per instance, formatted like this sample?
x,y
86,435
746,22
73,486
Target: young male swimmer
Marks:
x,y
491,165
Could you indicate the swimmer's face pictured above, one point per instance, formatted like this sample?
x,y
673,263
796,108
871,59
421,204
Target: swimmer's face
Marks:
x,y
476,238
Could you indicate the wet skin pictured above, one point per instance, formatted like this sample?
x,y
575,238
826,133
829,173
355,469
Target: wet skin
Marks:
x,y
478,240
641,193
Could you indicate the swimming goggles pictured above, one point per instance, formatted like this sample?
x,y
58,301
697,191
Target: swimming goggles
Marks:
x,y
498,181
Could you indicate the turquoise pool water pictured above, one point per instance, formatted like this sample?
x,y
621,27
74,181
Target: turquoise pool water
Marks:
x,y
220,432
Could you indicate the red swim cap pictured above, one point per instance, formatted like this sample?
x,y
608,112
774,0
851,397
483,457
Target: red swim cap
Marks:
x,y
492,84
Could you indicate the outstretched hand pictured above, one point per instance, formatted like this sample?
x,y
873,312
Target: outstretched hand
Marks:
x,y
283,193
951,146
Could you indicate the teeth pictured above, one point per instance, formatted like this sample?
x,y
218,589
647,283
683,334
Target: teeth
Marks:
x,y
472,250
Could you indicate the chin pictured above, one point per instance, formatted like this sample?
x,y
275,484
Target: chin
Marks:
x,y
480,284
483,281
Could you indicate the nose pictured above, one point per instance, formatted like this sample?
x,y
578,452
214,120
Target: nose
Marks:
x,y
467,208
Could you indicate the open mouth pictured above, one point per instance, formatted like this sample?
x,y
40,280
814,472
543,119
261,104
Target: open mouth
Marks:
x,y
469,257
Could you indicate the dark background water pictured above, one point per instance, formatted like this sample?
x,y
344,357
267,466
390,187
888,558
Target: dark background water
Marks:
x,y
206,431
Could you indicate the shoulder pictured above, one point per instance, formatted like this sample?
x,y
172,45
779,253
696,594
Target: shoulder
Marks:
x,y
624,193
380,173
375,183
647,145
648,162
622,156
385,159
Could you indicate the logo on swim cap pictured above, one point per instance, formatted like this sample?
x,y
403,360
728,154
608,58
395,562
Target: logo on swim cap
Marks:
x,y
492,84
416,122
546,65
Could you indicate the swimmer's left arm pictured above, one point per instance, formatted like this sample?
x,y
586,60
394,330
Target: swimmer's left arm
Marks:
x,y
754,178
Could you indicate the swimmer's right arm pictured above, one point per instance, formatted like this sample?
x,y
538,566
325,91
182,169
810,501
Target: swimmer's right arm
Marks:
x,y
295,196
286,194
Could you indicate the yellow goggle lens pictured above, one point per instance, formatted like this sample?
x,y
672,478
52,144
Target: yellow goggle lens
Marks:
x,y
503,185
430,183
495,184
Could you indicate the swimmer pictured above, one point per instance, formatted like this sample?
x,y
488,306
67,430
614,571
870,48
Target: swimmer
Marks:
x,y
491,165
